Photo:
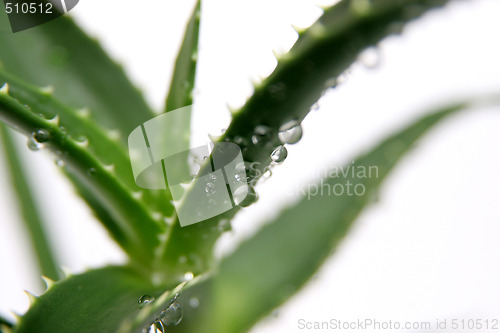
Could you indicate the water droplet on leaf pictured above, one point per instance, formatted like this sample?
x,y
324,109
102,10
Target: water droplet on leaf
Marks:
x,y
145,300
249,199
172,315
41,135
261,134
33,145
210,188
188,276
290,132
279,154
370,57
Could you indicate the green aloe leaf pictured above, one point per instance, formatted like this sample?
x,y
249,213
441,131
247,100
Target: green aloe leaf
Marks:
x,y
97,301
61,55
268,268
136,230
183,79
32,218
322,53
77,124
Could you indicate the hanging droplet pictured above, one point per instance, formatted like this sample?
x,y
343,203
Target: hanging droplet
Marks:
x,y
172,315
224,225
370,57
210,188
156,327
245,172
279,154
34,145
91,171
267,174
41,135
290,132
145,300
250,198
194,302
261,134
38,137
188,276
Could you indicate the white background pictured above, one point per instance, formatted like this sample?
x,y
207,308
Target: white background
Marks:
x,y
429,249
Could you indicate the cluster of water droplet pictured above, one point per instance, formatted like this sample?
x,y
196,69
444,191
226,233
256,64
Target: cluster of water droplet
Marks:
x,y
170,316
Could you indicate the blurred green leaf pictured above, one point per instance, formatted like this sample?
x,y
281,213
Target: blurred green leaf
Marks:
x,y
268,268
61,55
138,230
322,53
31,216
183,79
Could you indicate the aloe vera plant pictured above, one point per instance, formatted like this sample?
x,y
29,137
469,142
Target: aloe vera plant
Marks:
x,y
79,105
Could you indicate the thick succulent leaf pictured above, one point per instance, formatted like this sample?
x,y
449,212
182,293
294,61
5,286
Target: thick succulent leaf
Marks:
x,y
183,79
320,55
78,125
59,54
97,301
268,268
33,220
138,230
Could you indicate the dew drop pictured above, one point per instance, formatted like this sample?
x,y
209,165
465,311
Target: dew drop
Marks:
x,y
41,135
279,154
33,145
249,199
245,172
212,177
145,300
188,276
210,188
156,327
172,315
194,302
261,134
267,174
370,57
290,132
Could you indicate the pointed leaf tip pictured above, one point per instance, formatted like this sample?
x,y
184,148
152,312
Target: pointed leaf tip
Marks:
x,y
48,282
32,298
